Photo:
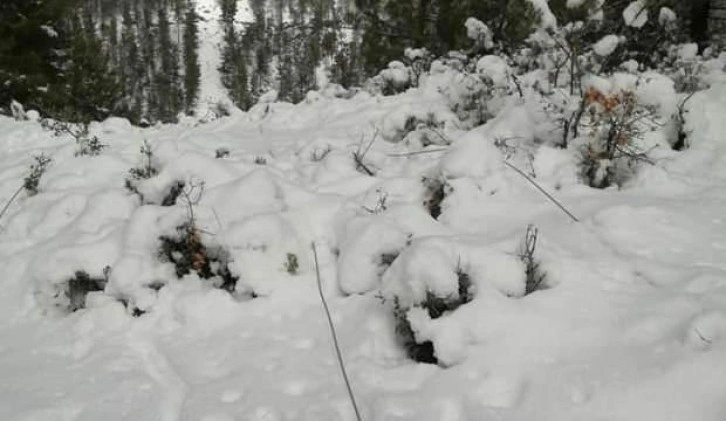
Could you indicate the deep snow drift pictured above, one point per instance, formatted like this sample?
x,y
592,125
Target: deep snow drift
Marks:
x,y
631,324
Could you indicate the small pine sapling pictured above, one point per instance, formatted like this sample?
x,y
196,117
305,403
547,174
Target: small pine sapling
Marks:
x,y
292,265
147,170
87,145
143,172
37,169
534,275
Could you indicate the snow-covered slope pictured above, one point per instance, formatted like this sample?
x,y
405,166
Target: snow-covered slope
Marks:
x,y
211,91
632,325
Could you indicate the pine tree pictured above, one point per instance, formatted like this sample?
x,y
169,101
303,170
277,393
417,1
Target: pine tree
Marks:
x,y
91,87
191,58
166,81
129,66
32,40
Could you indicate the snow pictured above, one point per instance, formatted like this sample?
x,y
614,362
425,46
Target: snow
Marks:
x,y
631,324
666,16
606,45
475,29
397,74
688,52
572,4
495,69
547,18
211,91
49,30
636,14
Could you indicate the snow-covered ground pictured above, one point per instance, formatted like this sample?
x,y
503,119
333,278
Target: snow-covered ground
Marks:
x,y
631,326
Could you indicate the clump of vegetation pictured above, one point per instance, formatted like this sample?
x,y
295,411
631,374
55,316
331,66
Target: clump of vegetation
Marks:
x,y
188,253
535,276
176,190
221,153
143,172
37,169
292,265
436,306
72,293
147,169
436,191
616,122
87,145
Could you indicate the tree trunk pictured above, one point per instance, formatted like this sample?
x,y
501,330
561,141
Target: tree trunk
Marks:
x,y
699,21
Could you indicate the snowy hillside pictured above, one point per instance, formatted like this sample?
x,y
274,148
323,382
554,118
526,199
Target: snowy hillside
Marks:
x,y
628,323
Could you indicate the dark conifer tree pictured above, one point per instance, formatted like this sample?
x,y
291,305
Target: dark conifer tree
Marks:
x,y
33,37
191,58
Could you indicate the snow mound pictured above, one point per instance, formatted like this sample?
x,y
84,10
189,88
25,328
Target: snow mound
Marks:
x,y
636,14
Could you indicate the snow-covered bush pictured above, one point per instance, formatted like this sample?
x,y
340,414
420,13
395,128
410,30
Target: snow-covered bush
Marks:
x,y
435,306
435,288
188,253
417,126
480,34
369,245
393,80
18,111
446,294
419,62
474,88
615,122
686,67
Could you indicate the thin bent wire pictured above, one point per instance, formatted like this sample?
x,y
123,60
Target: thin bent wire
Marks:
x,y
335,337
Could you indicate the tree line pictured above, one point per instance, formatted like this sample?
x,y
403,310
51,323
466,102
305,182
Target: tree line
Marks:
x,y
88,59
